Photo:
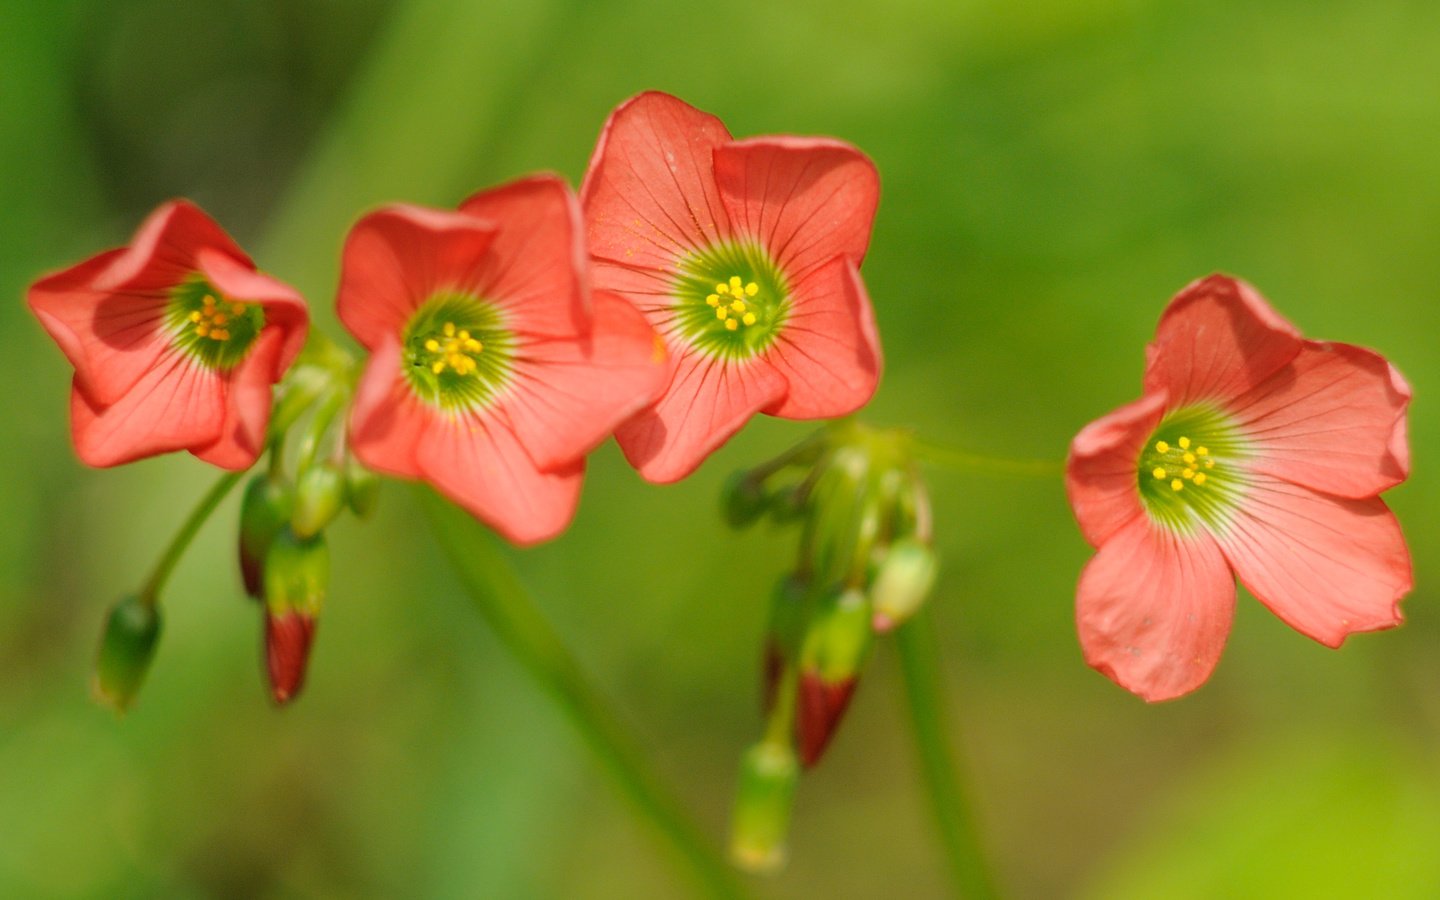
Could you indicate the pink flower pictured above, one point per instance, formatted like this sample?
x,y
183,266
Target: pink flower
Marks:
x,y
745,256
492,374
176,341
1252,453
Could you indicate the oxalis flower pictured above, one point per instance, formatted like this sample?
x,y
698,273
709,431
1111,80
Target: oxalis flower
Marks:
x,y
1252,453
176,341
745,256
492,373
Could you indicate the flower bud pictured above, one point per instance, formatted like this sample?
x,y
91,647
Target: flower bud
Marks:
x,y
744,499
762,807
319,496
783,634
265,509
902,582
126,648
837,506
362,489
297,572
836,646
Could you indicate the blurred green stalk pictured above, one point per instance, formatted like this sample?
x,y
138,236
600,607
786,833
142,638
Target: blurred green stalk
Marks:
x,y
506,605
150,592
920,665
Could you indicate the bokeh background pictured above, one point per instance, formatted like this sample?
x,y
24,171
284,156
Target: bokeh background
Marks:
x,y
1052,174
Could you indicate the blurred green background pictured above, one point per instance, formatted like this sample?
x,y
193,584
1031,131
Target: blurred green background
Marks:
x,y
1052,174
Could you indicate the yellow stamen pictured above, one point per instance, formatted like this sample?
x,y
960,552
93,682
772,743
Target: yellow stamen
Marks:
x,y
1162,446
209,300
1209,463
732,324
713,299
722,313
1188,474
722,288
220,318
202,330
1184,443
432,345
752,289
438,367
738,306
1202,451
1189,459
237,308
1159,473
1176,485
1199,477
735,284
449,329
749,318
195,316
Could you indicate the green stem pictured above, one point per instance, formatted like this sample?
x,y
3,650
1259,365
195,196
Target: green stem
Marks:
x,y
150,593
919,661
500,597
987,465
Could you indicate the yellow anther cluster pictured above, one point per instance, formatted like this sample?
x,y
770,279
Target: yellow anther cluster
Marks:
x,y
1181,464
728,301
455,349
210,320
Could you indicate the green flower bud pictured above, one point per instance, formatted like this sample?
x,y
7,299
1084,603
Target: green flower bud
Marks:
x,y
127,646
744,499
362,489
319,496
763,801
837,506
902,582
265,509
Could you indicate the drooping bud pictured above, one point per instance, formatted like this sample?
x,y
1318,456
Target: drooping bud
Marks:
x,y
902,582
127,646
319,497
783,634
362,489
763,801
744,499
836,645
297,573
265,509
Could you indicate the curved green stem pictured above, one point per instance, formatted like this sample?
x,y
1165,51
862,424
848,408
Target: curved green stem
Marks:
x,y
920,664
150,593
499,596
987,465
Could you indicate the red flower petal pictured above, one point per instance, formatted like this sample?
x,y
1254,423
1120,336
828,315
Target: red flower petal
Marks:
x,y
536,268
247,398
176,405
1216,340
476,461
1154,608
387,422
1333,419
397,257
806,200
707,401
568,394
1328,566
1101,476
649,193
828,350
164,250
285,310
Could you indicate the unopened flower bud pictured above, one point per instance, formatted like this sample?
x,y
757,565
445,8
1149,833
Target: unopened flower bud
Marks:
x,y
836,646
265,509
837,508
902,582
762,807
362,489
297,573
744,499
126,648
783,634
319,497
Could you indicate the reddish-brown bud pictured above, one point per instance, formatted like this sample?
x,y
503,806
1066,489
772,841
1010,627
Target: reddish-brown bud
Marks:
x,y
822,706
288,637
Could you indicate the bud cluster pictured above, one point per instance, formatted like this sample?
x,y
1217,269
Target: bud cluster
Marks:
x,y
865,565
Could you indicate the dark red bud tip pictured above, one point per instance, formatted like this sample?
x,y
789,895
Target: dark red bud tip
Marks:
x,y
287,651
772,667
822,705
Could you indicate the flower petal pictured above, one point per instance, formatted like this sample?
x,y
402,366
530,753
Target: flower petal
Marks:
x,y
1329,566
285,309
111,340
828,349
1216,340
1332,419
567,395
476,461
387,422
1154,608
806,200
1101,474
397,257
163,252
707,400
649,194
248,395
177,405
537,267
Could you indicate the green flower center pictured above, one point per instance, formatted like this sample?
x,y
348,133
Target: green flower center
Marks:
x,y
731,300
1187,471
209,326
457,351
